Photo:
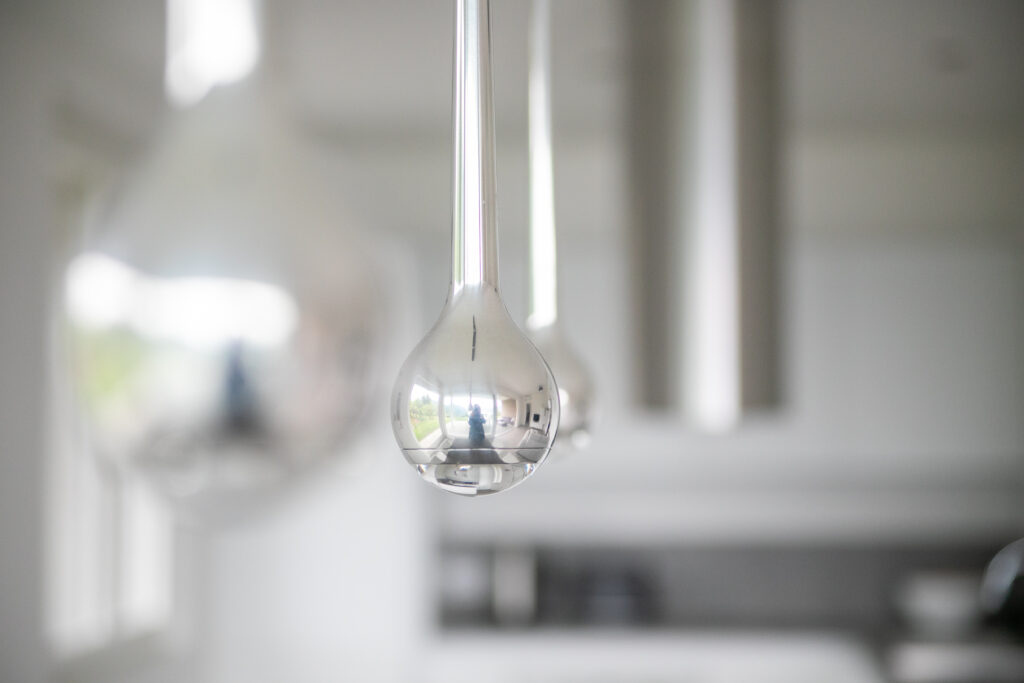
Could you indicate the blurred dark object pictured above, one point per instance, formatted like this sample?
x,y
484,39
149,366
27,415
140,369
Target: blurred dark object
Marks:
x,y
882,591
604,592
465,585
616,596
1002,589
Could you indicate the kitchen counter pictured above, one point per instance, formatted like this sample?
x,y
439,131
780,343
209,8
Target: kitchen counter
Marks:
x,y
559,656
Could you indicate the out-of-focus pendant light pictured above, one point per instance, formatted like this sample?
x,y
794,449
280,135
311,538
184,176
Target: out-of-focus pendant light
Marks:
x,y
223,322
575,388
475,407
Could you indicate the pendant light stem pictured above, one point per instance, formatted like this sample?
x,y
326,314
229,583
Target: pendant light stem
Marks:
x,y
474,232
543,304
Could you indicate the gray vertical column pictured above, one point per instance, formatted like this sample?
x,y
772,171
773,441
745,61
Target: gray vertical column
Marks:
x,y
26,231
760,132
651,120
703,155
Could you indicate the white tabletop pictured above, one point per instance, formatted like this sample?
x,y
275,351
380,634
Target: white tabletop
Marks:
x,y
662,657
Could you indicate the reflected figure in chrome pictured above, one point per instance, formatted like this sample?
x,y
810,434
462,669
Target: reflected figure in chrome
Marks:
x,y
241,403
476,428
476,448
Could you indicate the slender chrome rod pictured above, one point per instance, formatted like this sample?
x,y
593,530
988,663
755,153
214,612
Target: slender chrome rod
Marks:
x,y
474,232
543,302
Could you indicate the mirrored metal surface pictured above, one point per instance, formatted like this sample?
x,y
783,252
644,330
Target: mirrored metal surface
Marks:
x,y
475,407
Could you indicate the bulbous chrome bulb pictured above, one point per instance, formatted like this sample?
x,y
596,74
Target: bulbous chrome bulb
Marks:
x,y
475,407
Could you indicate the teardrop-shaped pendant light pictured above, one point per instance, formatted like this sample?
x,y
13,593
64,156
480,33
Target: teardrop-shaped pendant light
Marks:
x,y
575,388
223,320
475,407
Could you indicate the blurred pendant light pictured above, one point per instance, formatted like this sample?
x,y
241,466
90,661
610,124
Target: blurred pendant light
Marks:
x,y
475,407
575,389
222,322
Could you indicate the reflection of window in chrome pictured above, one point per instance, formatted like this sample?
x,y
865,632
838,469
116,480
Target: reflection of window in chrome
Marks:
x,y
423,414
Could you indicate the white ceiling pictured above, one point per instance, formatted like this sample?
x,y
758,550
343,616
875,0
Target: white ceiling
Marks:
x,y
385,64
900,63
862,63
372,79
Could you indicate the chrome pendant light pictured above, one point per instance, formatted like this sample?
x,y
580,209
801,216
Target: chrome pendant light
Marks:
x,y
475,407
223,321
575,389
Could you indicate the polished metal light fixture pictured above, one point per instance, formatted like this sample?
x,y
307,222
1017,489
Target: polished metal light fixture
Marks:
x,y
475,407
575,388
223,321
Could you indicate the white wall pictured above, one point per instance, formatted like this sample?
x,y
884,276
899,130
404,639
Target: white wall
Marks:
x,y
332,586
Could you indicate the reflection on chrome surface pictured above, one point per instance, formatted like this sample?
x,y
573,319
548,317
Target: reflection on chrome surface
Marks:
x,y
475,407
